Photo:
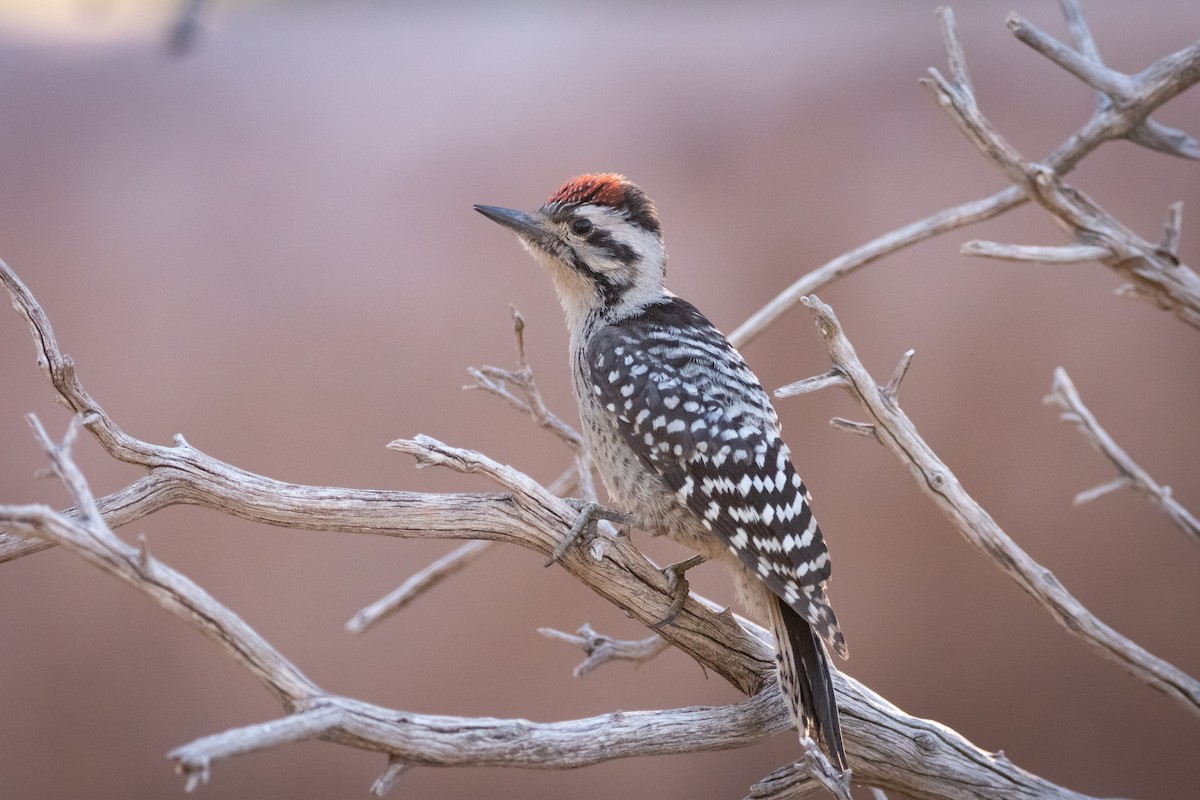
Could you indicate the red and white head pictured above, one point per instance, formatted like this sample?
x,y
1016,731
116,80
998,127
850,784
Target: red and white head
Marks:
x,y
599,238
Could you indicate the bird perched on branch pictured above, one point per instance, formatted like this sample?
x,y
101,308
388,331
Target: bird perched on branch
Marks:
x,y
682,432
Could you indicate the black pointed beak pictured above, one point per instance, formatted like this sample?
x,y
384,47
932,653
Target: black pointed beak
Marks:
x,y
527,226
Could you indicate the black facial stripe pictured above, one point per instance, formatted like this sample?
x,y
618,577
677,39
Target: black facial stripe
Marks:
x,y
612,292
602,240
637,208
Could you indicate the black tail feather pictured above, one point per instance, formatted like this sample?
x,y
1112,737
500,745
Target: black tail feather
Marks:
x,y
810,693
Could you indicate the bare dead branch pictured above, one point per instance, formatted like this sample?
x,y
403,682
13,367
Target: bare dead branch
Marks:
x,y
136,501
601,649
1073,13
1090,71
429,577
1154,86
891,391
989,777
912,755
943,221
1064,394
886,747
1160,278
896,432
1172,141
1088,495
418,584
790,782
813,384
956,57
194,760
829,777
865,429
1114,88
89,537
1064,254
496,381
315,714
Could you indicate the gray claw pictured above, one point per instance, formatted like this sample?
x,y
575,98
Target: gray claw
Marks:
x,y
679,588
589,515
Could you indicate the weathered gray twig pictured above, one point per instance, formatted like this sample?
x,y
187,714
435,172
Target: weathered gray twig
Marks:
x,y
497,381
896,432
601,649
88,536
1157,84
315,714
1062,254
932,760
419,583
1088,69
1114,89
1132,476
183,474
1153,275
428,577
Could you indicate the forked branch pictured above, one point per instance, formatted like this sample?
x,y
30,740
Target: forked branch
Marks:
x,y
1157,84
1153,274
1130,475
886,747
893,429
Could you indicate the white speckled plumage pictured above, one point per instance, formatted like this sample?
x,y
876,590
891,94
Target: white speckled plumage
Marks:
x,y
682,433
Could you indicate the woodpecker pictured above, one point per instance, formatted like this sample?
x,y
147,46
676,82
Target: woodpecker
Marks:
x,y
681,431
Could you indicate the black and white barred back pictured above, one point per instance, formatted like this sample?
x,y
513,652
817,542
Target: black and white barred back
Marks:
x,y
687,405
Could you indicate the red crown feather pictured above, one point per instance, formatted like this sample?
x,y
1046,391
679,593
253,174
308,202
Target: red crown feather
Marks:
x,y
602,189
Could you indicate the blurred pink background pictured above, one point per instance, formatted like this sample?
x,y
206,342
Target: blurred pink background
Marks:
x,y
268,246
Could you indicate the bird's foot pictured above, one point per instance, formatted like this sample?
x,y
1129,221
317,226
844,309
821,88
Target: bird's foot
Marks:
x,y
679,587
585,523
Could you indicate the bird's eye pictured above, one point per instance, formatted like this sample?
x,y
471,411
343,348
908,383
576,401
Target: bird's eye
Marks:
x,y
582,226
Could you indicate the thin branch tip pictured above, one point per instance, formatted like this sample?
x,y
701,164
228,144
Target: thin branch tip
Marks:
x,y
864,429
817,382
601,649
396,767
1129,473
1088,495
892,389
1058,254
418,584
955,54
